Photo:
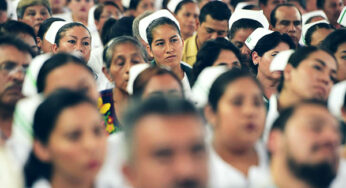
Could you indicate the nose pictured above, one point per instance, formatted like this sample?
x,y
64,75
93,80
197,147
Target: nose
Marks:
x,y
292,28
184,167
18,74
249,110
39,16
169,48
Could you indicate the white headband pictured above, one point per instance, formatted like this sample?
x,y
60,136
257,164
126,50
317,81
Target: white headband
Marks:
x,y
255,36
145,22
172,5
279,62
135,70
53,30
316,13
342,17
256,15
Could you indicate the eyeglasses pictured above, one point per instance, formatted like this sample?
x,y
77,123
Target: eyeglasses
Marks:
x,y
11,68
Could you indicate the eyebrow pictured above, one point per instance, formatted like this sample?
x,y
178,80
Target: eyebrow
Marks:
x,y
324,64
173,36
77,37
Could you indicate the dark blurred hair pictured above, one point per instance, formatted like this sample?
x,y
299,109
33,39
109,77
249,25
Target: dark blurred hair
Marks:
x,y
243,24
123,27
99,9
106,30
16,28
3,5
311,31
218,10
334,40
181,4
10,40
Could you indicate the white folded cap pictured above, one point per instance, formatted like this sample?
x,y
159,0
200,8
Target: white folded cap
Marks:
x,y
336,99
241,5
279,62
342,17
172,5
205,80
30,79
53,30
256,15
306,28
145,22
135,70
312,14
255,36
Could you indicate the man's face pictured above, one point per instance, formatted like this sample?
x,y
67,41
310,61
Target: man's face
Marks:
x,y
168,151
333,8
271,4
211,29
12,65
288,20
310,144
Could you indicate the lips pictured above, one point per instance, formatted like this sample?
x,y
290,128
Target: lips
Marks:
x,y
93,164
251,127
171,57
83,9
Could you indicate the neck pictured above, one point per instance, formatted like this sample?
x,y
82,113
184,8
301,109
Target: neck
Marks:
x,y
57,11
178,71
83,20
120,101
241,158
269,85
6,118
185,35
61,181
198,44
282,177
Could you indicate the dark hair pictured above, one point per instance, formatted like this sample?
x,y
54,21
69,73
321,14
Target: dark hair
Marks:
x,y
54,62
45,26
45,119
10,40
99,9
243,24
134,4
218,88
108,51
3,5
298,56
144,77
181,4
61,32
334,40
273,13
209,52
123,27
106,30
320,4
13,27
218,10
312,29
269,42
263,2
287,113
302,3
158,22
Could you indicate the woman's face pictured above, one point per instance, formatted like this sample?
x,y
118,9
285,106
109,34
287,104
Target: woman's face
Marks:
x,y
75,39
228,58
57,5
187,17
71,76
340,56
145,5
125,55
266,59
80,8
240,114
162,84
167,46
313,78
34,16
77,144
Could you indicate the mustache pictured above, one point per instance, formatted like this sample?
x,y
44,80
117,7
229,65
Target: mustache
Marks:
x,y
328,145
13,85
188,183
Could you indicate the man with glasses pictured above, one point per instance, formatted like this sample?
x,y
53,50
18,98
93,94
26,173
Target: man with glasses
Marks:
x,y
15,56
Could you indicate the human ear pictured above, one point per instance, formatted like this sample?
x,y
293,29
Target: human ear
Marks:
x,y
210,115
41,151
255,58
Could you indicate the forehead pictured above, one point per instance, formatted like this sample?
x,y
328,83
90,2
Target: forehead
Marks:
x,y
11,53
36,8
215,24
322,56
126,48
77,31
164,31
287,12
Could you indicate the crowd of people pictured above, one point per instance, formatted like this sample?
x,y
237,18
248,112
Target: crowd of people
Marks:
x,y
173,93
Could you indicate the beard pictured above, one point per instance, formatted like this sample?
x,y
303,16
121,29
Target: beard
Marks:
x,y
318,175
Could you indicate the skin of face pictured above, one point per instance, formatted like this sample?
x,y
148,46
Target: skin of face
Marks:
x,y
44,45
163,84
288,20
239,39
211,29
30,41
75,39
77,146
333,8
228,58
145,5
266,59
34,16
109,11
80,8
11,83
167,46
162,160
240,115
269,7
71,76
124,57
187,17
340,56
57,5
311,136
313,78
318,36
